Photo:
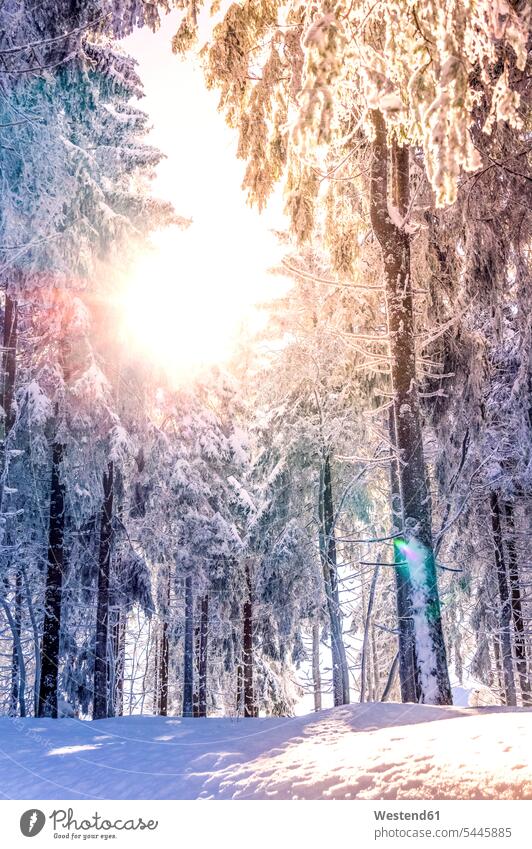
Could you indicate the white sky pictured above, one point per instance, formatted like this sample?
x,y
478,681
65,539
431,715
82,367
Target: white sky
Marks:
x,y
206,279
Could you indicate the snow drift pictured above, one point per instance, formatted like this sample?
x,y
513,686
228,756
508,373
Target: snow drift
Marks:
x,y
373,751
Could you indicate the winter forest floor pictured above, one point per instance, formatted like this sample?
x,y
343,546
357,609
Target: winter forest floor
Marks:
x,y
373,751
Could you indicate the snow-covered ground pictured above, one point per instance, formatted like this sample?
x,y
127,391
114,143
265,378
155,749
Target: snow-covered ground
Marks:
x,y
374,751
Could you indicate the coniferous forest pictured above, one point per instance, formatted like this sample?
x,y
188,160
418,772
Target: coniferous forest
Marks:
x,y
338,510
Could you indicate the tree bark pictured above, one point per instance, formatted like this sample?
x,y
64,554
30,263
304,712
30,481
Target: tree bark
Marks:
x,y
17,659
327,546
9,369
36,640
165,655
202,666
53,592
521,660
498,667
505,609
188,677
316,674
156,691
118,612
9,365
195,698
163,674
391,678
239,690
247,654
408,668
18,647
417,553
365,641
119,641
375,663
101,701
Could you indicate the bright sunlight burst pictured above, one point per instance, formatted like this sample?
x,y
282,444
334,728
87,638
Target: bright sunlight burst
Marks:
x,y
185,306
191,297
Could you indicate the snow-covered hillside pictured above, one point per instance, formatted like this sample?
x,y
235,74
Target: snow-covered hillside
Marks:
x,y
374,751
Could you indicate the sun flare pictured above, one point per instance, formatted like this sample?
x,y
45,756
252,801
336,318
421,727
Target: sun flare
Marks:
x,y
185,304
171,310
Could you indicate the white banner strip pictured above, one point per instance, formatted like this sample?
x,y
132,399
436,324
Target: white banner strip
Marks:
x,y
268,824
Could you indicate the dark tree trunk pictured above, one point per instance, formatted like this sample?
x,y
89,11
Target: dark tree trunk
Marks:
x,y
364,665
239,690
327,546
247,654
316,674
9,364
53,591
119,644
9,370
122,656
21,668
415,496
188,678
15,659
101,697
521,660
391,678
505,608
498,667
195,699
408,668
163,675
117,612
203,656
156,691
375,663
165,655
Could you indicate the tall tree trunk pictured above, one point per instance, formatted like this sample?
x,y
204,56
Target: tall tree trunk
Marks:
x,y
9,369
202,666
408,668
375,663
18,647
112,654
417,549
391,678
517,607
497,654
188,678
239,690
163,674
101,702
53,592
116,614
36,640
505,608
327,545
195,698
119,643
365,641
316,674
247,654
165,654
156,690
16,666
